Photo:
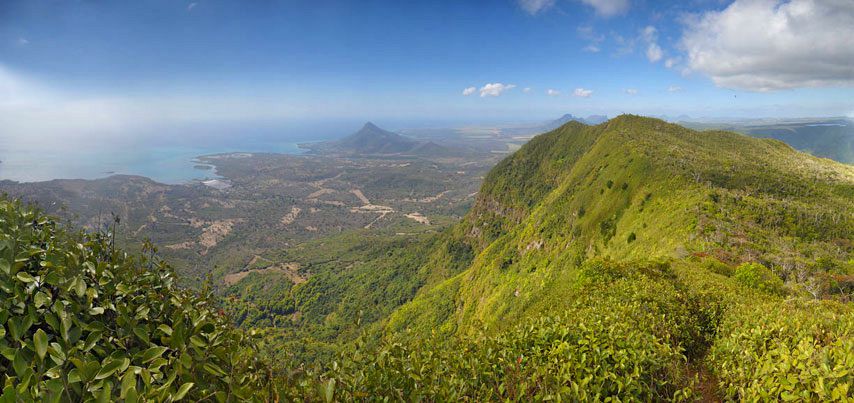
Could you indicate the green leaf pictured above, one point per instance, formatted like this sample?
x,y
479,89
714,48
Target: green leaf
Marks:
x,y
20,364
128,383
74,376
4,266
141,331
182,391
198,342
165,329
41,299
40,342
214,369
132,396
109,368
329,391
151,353
25,277
106,392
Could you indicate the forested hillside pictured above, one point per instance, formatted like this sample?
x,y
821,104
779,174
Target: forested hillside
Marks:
x,y
633,259
639,188
640,259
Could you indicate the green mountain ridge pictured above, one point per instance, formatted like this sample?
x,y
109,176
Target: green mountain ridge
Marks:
x,y
634,188
634,259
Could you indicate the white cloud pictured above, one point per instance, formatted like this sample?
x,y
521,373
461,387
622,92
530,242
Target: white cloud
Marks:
x,y
536,6
591,49
495,89
22,41
649,33
764,45
674,88
653,51
671,62
468,91
526,90
608,8
552,93
582,92
191,6
631,91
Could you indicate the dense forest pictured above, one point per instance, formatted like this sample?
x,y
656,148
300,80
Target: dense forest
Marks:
x,y
634,259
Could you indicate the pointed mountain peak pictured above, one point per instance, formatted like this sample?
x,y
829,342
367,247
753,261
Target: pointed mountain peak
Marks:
x,y
370,126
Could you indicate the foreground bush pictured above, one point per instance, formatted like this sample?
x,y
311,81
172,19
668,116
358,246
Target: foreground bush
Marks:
x,y
80,320
794,350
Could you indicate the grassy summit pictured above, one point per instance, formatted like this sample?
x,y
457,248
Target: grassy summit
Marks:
x,y
569,224
636,189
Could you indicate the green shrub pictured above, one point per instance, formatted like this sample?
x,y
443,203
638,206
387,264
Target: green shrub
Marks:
x,y
622,337
757,276
716,266
792,350
80,320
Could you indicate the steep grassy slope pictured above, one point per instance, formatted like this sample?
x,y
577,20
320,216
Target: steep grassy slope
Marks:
x,y
635,188
652,253
635,331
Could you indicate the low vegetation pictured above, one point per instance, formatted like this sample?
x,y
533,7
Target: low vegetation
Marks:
x,y
635,260
81,320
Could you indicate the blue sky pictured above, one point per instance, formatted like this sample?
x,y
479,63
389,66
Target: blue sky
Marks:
x,y
109,66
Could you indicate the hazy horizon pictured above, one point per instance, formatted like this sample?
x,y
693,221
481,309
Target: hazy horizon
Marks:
x,y
133,69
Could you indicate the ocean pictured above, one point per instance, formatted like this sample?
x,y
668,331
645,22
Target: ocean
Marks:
x,y
164,157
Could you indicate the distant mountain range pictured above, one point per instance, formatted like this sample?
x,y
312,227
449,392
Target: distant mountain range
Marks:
x,y
371,140
590,120
554,124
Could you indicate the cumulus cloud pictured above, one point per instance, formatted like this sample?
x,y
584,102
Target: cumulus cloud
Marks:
x,y
469,90
674,88
764,45
552,92
653,50
671,62
535,6
631,91
608,8
495,89
582,92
